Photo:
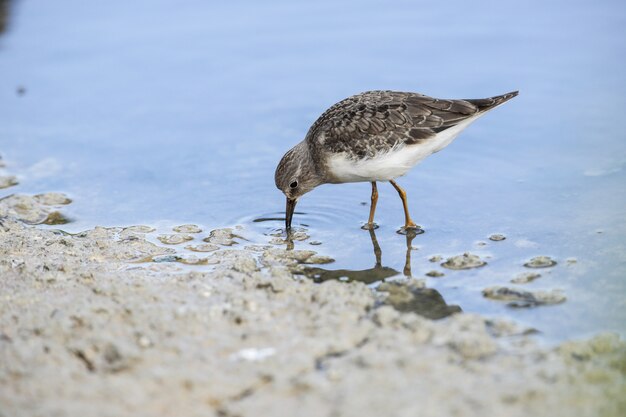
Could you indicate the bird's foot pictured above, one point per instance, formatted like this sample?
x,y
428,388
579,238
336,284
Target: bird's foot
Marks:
x,y
410,229
369,226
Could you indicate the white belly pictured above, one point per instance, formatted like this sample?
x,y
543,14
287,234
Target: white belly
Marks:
x,y
394,163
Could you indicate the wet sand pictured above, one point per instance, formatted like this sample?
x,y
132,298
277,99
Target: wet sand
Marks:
x,y
106,323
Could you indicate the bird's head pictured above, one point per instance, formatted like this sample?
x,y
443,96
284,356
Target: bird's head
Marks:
x,y
295,176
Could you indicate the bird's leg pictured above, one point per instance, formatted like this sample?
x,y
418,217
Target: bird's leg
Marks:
x,y
370,222
409,247
377,252
408,223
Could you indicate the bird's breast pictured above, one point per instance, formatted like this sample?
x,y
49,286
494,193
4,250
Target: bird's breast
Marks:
x,y
383,167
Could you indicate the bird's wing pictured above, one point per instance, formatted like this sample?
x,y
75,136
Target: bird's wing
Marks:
x,y
369,122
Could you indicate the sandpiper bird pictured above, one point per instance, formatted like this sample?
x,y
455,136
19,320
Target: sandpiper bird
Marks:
x,y
375,136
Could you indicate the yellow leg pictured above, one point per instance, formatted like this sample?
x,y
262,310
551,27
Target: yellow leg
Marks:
x,y
377,252
408,223
370,222
370,225
409,247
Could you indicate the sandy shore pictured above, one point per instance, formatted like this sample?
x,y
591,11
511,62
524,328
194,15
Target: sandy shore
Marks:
x,y
91,325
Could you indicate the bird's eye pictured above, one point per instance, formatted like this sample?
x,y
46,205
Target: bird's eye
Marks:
x,y
293,184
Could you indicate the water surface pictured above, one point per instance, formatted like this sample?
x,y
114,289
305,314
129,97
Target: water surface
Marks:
x,y
160,113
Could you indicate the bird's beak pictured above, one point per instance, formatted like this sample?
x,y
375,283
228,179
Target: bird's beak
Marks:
x,y
291,206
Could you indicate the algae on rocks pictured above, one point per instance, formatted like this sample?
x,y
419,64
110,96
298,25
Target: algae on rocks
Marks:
x,y
465,261
521,298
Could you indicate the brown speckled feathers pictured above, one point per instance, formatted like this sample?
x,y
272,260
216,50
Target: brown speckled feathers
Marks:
x,y
374,121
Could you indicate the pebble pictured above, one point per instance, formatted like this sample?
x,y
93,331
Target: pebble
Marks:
x,y
7,181
540,262
521,298
253,354
140,229
52,199
298,235
224,237
525,278
465,261
144,341
56,217
187,228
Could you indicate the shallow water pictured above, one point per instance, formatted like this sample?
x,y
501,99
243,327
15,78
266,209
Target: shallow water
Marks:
x,y
162,114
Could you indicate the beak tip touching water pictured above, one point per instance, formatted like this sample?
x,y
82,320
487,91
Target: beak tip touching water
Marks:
x,y
291,206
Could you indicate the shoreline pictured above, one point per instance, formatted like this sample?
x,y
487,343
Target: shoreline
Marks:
x,y
87,327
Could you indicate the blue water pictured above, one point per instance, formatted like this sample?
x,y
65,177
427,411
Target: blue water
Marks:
x,y
159,112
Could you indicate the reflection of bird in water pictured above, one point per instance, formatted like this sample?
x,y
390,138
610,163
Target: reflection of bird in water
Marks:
x,y
367,276
426,302
375,136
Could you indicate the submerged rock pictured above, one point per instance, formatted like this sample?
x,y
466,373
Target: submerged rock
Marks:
x,y
187,228
53,199
7,181
465,261
497,237
525,278
293,257
435,258
257,248
501,328
280,238
37,209
174,239
412,296
203,247
434,274
540,262
56,217
139,229
522,298
223,237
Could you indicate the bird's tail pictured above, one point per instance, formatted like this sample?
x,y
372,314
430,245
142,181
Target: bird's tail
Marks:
x,y
485,104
